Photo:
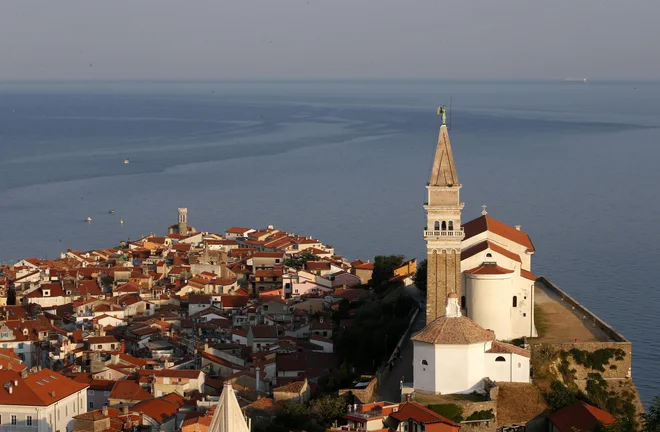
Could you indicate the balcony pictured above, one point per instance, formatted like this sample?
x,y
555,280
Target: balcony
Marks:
x,y
445,233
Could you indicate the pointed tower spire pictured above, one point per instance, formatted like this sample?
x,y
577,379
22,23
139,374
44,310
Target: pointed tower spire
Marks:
x,y
228,416
443,172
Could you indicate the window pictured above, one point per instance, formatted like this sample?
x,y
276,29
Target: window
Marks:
x,y
99,347
325,334
425,363
28,420
489,255
13,420
436,226
91,405
90,392
166,380
515,301
462,302
66,411
500,359
451,225
20,345
444,226
277,260
106,393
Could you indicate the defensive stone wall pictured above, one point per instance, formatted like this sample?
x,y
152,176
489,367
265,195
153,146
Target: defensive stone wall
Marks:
x,y
590,316
622,368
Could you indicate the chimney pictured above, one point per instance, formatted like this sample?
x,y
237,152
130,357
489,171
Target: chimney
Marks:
x,y
15,383
518,227
104,410
10,389
407,397
124,409
258,378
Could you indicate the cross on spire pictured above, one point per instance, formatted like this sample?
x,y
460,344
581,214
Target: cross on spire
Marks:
x,y
483,210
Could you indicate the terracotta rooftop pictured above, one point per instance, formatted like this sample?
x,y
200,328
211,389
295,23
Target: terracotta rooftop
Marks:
x,y
505,348
421,414
486,244
129,390
487,223
488,269
580,416
453,331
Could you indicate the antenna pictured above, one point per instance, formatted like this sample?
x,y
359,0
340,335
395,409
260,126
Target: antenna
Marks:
x,y
450,113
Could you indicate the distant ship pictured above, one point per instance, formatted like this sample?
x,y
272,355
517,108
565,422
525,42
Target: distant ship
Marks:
x,y
111,211
126,161
575,80
88,219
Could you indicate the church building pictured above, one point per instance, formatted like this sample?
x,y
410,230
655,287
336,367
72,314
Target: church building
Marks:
x,y
480,291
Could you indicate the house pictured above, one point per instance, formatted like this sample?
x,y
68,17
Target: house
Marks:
x,y
261,335
296,392
326,344
180,381
322,327
127,392
235,232
103,343
42,401
160,413
267,260
579,416
388,416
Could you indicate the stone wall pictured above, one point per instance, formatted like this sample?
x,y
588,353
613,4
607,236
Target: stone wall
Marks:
x,y
623,367
365,394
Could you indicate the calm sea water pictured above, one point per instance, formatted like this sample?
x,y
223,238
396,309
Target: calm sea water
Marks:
x,y
574,164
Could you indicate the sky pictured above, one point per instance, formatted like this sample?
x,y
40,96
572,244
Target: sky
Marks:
x,y
328,39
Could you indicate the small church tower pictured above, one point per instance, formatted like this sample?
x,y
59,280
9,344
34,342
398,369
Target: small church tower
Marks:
x,y
443,233
183,221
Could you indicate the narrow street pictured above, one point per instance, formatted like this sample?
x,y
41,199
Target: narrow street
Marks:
x,y
389,389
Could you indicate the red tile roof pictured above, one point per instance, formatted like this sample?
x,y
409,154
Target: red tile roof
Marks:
x,y
527,274
505,348
489,269
482,246
41,388
580,416
421,414
487,223
129,390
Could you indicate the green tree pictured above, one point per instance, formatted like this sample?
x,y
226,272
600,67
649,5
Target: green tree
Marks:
x,y
298,261
327,408
651,419
420,276
384,266
560,395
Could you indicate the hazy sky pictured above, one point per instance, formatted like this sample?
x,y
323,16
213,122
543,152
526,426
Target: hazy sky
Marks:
x,y
282,39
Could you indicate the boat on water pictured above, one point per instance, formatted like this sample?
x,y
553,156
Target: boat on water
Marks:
x,y
111,211
88,219
121,221
575,80
126,161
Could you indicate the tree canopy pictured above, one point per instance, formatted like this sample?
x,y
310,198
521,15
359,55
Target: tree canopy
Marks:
x,y
420,276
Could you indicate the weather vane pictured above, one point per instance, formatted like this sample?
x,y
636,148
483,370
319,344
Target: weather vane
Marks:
x,y
442,111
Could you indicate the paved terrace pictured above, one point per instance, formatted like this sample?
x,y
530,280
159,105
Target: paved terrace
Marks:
x,y
558,321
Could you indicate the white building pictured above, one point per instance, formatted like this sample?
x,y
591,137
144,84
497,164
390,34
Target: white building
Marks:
x,y
453,355
498,285
43,401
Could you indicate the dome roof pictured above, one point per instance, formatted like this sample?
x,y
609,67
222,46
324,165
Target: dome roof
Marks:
x,y
453,331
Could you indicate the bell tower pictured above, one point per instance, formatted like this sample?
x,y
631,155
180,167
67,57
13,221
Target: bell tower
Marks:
x,y
183,221
443,233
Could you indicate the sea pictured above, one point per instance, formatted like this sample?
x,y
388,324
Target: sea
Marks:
x,y
575,164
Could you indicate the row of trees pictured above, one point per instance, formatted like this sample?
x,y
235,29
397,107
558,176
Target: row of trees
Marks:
x,y
313,416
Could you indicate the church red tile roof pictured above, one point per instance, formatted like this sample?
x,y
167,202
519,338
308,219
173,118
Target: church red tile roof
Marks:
x,y
486,244
453,331
505,348
487,223
527,274
489,269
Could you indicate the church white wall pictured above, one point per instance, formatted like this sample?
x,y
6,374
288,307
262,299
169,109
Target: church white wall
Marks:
x,y
522,316
514,368
423,375
489,302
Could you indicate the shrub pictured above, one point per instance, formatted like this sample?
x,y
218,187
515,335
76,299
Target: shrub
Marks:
x,y
560,395
481,415
451,411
